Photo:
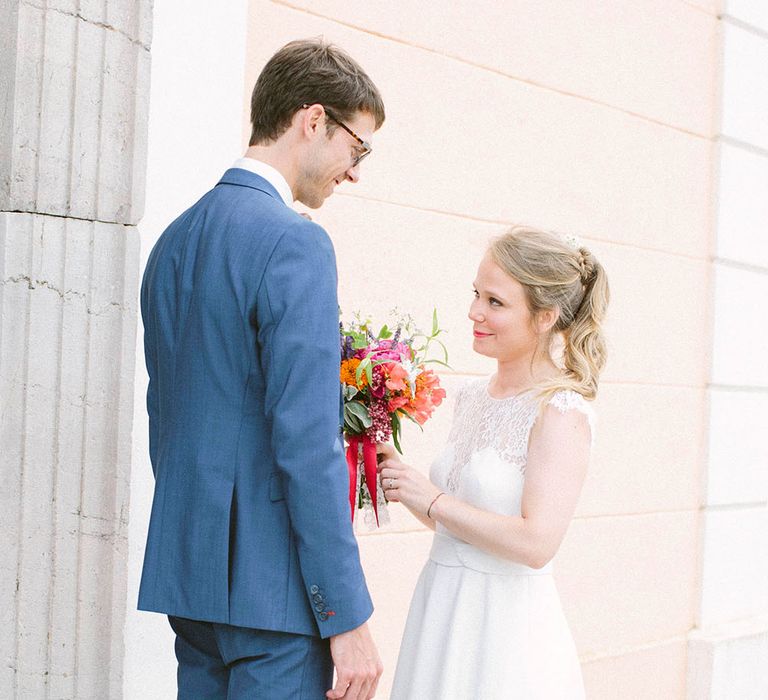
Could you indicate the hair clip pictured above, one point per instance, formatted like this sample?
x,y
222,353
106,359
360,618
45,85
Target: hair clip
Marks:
x,y
571,240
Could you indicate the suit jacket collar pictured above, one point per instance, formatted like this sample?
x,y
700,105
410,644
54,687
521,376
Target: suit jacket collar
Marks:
x,y
245,178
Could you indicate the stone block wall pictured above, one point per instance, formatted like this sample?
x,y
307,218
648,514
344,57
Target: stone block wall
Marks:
x,y
728,649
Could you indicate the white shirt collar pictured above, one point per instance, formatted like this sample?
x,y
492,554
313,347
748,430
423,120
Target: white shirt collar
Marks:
x,y
273,176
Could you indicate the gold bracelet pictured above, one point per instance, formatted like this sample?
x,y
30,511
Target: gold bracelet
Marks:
x,y
429,510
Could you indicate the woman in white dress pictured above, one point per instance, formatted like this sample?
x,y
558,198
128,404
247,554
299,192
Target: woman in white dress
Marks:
x,y
485,621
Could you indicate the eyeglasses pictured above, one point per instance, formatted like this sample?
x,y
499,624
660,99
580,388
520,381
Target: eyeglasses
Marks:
x,y
365,147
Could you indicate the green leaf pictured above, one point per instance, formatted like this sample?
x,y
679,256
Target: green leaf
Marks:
x,y
352,423
396,432
362,368
434,321
352,426
360,412
411,418
350,392
445,351
384,333
437,362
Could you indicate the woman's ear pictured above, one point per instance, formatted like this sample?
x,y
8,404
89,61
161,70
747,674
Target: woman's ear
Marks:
x,y
546,319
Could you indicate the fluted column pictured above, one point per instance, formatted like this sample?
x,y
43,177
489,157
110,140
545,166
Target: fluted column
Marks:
x,y
73,94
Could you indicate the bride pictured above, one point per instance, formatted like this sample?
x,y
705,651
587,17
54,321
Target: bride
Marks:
x,y
485,621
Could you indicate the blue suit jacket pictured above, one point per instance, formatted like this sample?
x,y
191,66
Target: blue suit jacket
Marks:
x,y
250,520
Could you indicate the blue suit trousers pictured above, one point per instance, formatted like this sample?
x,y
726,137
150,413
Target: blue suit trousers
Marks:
x,y
225,662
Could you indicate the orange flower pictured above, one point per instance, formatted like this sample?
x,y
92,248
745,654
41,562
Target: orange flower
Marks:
x,y
348,371
429,395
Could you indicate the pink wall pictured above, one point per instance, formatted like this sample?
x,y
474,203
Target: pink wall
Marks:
x,y
585,117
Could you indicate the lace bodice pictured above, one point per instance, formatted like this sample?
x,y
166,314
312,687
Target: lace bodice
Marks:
x,y
497,427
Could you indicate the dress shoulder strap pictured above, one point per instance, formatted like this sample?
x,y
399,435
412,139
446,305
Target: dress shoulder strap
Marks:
x,y
569,400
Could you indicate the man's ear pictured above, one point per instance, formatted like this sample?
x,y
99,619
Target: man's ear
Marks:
x,y
546,319
311,120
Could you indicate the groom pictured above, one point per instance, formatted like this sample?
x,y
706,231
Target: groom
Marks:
x,y
250,549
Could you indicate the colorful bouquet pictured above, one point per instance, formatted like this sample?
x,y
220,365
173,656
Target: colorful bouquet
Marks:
x,y
384,380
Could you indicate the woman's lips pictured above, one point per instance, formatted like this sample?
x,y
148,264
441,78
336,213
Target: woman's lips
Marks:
x,y
478,334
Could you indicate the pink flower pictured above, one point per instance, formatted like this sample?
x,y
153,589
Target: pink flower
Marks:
x,y
387,350
429,395
397,402
396,376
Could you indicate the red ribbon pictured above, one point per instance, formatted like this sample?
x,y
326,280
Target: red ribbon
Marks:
x,y
370,463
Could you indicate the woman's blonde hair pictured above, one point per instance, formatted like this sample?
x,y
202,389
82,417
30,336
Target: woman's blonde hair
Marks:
x,y
566,277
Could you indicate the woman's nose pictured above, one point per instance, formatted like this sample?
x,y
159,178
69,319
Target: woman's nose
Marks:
x,y
475,314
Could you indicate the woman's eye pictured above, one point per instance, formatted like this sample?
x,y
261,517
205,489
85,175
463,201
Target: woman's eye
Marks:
x,y
494,302
475,293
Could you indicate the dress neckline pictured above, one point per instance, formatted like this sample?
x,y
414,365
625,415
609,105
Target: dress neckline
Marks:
x,y
487,392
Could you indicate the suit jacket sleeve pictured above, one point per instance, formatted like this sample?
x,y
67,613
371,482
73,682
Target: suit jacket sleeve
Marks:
x,y
150,357
298,330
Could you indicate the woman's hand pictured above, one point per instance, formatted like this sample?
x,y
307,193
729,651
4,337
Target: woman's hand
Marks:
x,y
407,485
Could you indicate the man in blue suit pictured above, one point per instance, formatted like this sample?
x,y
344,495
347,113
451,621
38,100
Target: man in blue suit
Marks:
x,y
250,549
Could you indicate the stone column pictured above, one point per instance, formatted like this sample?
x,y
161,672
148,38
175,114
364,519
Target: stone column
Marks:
x,y
728,652
73,93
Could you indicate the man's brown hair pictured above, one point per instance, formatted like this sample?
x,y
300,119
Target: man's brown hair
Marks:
x,y
310,71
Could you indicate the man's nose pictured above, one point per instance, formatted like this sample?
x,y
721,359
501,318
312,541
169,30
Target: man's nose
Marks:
x,y
353,173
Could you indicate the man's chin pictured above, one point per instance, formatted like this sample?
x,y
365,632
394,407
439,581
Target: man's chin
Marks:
x,y
311,202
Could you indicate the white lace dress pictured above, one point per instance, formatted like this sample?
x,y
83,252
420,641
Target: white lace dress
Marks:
x,y
481,627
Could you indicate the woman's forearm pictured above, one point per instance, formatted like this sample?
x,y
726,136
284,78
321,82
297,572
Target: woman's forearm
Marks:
x,y
421,517
507,536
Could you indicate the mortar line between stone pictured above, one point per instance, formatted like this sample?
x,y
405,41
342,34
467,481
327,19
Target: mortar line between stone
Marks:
x,y
750,388
495,71
624,650
638,514
744,145
730,507
746,26
739,265
499,222
698,8
65,216
606,382
102,25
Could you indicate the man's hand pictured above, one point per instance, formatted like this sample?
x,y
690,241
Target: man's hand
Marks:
x,y
358,666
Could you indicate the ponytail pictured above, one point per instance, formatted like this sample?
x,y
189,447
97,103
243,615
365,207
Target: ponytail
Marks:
x,y
584,353
559,275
